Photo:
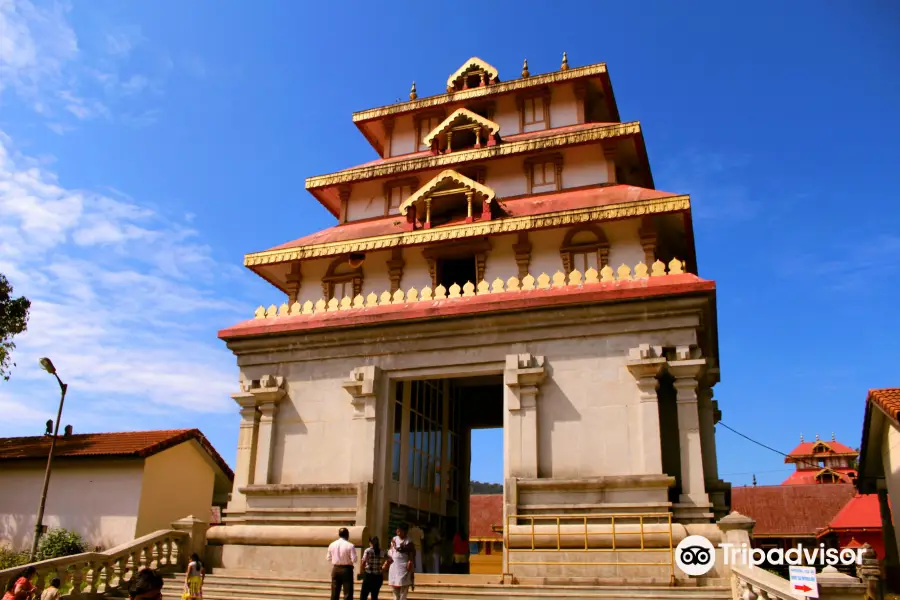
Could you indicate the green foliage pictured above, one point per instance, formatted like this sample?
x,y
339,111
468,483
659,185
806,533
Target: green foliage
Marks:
x,y
479,488
60,542
11,558
13,320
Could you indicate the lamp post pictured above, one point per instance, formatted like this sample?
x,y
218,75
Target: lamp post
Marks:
x,y
39,525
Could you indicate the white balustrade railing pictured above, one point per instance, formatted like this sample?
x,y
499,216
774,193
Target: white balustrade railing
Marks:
x,y
758,584
101,572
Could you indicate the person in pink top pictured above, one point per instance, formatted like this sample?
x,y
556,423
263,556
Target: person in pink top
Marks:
x,y
342,555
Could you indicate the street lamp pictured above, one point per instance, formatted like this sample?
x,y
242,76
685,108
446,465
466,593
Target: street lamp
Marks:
x,y
47,365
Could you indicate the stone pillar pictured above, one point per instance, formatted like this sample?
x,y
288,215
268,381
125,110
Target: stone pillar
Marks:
x,y
645,365
267,392
736,531
363,387
523,375
264,442
694,500
196,529
246,454
706,411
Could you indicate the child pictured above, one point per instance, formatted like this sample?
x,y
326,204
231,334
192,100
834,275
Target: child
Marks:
x,y
52,592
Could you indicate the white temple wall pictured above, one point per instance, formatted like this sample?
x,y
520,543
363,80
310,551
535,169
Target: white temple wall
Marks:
x,y
563,106
403,139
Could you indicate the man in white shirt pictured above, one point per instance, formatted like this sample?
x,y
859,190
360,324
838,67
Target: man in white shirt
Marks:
x,y
342,555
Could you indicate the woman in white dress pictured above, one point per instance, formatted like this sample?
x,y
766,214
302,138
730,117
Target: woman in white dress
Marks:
x,y
402,556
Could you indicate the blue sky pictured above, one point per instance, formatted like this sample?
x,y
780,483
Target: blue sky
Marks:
x,y
145,147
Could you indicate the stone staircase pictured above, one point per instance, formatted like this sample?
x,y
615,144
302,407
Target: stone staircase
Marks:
x,y
234,585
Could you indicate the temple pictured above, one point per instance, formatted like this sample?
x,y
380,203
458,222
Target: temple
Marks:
x,y
822,462
505,261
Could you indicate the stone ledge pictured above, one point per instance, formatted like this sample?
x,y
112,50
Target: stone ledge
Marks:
x,y
344,489
595,483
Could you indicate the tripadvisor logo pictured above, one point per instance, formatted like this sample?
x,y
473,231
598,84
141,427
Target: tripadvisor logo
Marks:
x,y
695,555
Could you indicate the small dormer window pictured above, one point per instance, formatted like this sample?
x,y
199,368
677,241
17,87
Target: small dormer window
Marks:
x,y
448,198
473,73
534,111
462,130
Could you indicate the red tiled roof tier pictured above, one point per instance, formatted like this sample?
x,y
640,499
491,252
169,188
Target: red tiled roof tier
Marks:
x,y
791,510
618,291
537,204
485,512
862,512
888,400
808,476
805,449
133,444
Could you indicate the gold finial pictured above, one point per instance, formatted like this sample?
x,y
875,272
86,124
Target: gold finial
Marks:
x,y
412,92
525,72
565,62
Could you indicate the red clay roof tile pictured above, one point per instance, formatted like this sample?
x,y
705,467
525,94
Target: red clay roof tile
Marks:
x,y
808,476
791,510
514,207
861,512
805,449
485,512
136,444
888,399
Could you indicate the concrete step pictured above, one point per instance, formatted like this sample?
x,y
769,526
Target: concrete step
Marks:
x,y
232,587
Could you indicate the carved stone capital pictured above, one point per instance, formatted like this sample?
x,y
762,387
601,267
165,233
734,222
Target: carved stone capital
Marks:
x,y
257,395
524,374
363,387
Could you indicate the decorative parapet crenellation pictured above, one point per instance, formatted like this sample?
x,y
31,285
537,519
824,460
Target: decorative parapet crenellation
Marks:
x,y
575,279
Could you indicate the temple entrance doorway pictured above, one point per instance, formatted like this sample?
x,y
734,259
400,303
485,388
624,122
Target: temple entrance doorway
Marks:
x,y
431,463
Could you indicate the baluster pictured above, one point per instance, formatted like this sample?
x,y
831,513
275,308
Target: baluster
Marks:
x,y
122,568
134,566
77,579
747,591
169,551
158,550
96,574
763,595
147,551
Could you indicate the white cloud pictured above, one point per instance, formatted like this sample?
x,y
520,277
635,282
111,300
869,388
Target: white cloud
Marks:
x,y
42,64
35,45
124,302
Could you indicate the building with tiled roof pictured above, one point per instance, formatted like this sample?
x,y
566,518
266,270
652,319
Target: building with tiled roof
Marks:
x,y
504,261
859,521
879,468
786,515
110,487
821,462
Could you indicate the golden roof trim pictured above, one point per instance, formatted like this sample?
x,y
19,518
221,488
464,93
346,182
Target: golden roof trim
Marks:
x,y
473,62
496,88
600,132
440,178
461,112
622,210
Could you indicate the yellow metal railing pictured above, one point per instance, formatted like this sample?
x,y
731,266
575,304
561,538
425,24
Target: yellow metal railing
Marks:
x,y
595,533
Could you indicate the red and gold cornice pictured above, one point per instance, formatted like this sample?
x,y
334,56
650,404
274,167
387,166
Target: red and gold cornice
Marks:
x,y
592,214
480,92
393,168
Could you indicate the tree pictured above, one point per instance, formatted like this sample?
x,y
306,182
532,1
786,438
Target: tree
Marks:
x,y
13,320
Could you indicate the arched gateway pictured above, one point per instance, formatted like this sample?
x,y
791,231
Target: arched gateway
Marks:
x,y
506,262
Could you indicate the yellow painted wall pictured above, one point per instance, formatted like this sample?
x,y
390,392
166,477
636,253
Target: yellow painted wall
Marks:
x,y
177,482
